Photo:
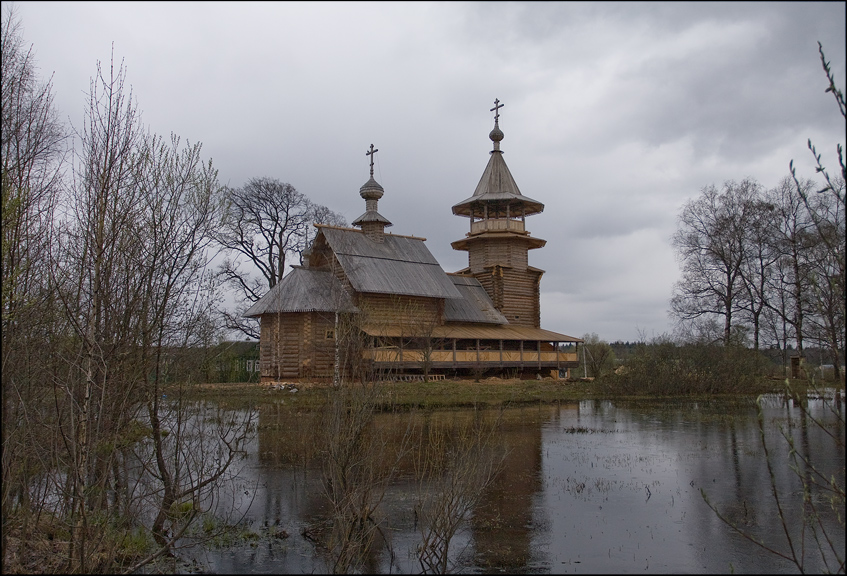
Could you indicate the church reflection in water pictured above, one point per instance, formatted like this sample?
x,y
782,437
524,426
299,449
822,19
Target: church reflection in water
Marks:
x,y
501,525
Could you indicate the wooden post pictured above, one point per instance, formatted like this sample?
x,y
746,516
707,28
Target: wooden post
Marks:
x,y
539,354
558,360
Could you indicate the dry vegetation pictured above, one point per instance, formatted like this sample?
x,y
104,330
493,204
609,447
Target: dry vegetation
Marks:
x,y
407,395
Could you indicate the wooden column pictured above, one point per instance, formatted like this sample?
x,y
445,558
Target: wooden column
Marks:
x,y
539,354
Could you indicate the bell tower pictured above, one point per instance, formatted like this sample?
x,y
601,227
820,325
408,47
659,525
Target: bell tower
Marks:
x,y
498,242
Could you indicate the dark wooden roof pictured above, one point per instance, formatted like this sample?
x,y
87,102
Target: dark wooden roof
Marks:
x,y
474,306
371,216
397,265
497,186
304,290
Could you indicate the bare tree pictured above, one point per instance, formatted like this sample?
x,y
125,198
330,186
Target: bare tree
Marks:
x,y
711,244
757,266
828,218
791,238
104,288
267,223
181,203
130,275
834,186
826,282
777,330
100,290
32,148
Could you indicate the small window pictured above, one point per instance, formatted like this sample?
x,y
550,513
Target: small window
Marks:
x,y
330,334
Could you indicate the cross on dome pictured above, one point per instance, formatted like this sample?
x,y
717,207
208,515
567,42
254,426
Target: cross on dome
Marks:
x,y
496,110
371,153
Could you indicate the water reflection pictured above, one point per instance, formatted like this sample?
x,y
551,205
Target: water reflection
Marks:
x,y
595,486
502,527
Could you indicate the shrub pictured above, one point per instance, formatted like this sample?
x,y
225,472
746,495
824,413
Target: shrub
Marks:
x,y
664,368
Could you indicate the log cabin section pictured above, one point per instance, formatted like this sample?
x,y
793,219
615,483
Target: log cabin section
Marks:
x,y
370,304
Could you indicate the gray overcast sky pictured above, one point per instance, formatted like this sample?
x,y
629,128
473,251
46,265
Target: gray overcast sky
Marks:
x,y
615,114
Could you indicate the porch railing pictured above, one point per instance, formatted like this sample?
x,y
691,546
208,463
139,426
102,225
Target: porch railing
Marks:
x,y
394,355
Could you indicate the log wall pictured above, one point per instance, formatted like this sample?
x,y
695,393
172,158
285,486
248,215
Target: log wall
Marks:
x,y
516,294
295,345
419,314
501,264
511,252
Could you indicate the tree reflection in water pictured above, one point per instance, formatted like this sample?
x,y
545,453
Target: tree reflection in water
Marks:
x,y
595,486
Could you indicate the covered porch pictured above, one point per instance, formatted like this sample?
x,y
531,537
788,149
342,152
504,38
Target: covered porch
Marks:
x,y
470,348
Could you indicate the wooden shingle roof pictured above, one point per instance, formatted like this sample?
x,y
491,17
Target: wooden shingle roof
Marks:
x,y
497,187
474,306
397,265
304,290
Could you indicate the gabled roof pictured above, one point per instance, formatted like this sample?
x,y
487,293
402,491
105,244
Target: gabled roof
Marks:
x,y
397,265
474,306
304,290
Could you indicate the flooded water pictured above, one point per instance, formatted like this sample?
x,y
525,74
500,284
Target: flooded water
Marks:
x,y
595,486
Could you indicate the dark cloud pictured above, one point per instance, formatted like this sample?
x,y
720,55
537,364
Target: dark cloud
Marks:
x,y
616,113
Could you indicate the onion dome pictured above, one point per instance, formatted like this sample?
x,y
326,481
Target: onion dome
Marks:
x,y
372,223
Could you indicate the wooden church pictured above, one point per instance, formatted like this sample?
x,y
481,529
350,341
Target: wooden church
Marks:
x,y
366,303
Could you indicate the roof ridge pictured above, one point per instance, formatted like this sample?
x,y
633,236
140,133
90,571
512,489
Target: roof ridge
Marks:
x,y
390,259
316,225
